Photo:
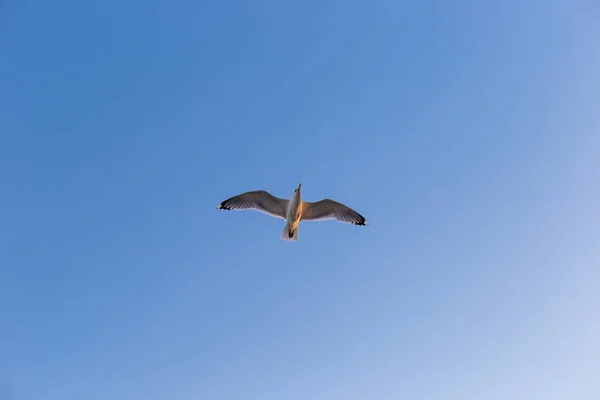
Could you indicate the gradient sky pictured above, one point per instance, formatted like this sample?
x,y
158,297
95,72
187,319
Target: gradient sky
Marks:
x,y
467,133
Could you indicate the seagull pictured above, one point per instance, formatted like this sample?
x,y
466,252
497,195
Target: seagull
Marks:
x,y
293,210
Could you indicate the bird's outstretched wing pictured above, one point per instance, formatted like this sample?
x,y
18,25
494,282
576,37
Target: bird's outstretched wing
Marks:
x,y
329,209
259,200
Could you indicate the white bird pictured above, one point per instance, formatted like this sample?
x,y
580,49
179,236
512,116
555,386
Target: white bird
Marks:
x,y
293,210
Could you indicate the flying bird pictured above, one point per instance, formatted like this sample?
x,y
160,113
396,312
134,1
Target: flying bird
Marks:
x,y
293,210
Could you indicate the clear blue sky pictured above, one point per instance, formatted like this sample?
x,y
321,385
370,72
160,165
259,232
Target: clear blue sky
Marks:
x,y
467,133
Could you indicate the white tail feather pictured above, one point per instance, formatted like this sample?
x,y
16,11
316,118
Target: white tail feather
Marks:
x,y
286,233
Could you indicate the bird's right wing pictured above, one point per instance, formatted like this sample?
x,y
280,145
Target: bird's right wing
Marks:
x,y
329,209
259,200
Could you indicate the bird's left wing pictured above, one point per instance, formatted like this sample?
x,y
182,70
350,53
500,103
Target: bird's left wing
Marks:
x,y
329,209
259,200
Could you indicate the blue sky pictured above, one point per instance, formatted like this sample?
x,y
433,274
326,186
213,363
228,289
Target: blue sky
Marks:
x,y
467,133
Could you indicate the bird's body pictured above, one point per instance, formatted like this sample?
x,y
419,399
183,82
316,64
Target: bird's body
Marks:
x,y
293,214
293,210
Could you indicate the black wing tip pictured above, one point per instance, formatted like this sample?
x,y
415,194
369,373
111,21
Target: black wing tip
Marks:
x,y
226,204
223,206
362,221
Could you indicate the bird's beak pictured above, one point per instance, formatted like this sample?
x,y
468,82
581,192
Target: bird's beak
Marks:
x,y
299,186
